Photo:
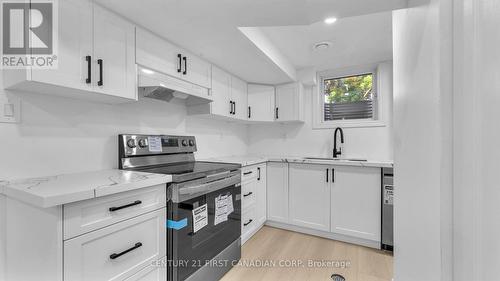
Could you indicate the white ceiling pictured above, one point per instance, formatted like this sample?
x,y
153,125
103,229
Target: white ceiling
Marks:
x,y
210,28
355,41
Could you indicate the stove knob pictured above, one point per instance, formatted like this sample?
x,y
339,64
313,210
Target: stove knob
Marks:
x,y
191,142
184,143
131,143
143,142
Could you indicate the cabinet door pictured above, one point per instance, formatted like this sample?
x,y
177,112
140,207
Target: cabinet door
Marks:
x,y
157,54
277,191
239,97
261,194
75,43
309,187
261,102
114,44
356,202
197,71
289,102
221,92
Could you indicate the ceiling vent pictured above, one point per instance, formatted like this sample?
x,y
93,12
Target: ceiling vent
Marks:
x,y
322,45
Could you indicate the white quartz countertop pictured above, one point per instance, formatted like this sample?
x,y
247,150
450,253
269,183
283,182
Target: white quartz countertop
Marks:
x,y
248,160
63,189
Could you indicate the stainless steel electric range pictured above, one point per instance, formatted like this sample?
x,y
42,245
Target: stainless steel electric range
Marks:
x,y
204,208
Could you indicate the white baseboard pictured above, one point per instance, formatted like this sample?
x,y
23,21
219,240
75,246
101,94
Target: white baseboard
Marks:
x,y
328,235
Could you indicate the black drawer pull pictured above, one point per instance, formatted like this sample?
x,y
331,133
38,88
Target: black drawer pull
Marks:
x,y
112,209
249,222
179,69
114,256
101,81
248,194
247,173
89,66
185,66
258,177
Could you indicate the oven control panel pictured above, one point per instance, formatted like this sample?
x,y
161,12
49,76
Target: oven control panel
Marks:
x,y
133,145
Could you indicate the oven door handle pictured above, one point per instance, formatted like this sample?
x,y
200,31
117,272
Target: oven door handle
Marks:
x,y
180,193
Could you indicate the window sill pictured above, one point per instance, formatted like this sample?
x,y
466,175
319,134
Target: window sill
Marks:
x,y
349,124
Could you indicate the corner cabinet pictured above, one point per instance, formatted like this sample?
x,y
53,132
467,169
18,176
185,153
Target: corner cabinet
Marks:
x,y
96,57
261,103
289,103
356,199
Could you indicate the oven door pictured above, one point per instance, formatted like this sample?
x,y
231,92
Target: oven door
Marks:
x,y
202,223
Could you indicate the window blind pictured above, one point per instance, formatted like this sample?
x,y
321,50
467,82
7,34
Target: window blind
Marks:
x,y
348,110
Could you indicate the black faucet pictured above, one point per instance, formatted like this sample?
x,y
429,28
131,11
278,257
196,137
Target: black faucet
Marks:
x,y
337,152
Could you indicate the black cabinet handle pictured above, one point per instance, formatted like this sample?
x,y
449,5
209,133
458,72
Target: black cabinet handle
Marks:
x,y
100,82
249,222
112,209
249,112
185,66
115,255
333,175
327,173
230,107
247,173
89,69
277,115
258,170
234,110
248,194
179,67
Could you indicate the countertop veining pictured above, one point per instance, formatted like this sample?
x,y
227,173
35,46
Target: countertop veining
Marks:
x,y
63,189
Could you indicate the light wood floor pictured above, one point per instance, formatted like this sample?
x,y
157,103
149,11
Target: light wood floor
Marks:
x,y
275,245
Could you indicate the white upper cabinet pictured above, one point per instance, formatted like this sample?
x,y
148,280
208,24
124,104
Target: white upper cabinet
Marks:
x,y
261,103
239,98
355,200
114,54
289,103
157,54
75,37
221,92
160,55
90,38
309,195
277,192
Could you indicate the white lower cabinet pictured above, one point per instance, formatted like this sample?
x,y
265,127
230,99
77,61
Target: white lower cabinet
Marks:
x,y
118,251
356,199
253,190
277,191
309,199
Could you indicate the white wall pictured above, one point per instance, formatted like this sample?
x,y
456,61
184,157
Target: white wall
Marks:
x,y
302,140
59,135
423,145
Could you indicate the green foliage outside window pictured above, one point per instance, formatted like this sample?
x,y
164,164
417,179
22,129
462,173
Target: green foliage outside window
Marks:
x,y
349,89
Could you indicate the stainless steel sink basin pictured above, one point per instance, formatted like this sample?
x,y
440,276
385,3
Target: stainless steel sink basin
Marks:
x,y
335,159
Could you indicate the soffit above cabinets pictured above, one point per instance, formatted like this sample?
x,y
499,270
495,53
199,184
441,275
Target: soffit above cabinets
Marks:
x,y
209,29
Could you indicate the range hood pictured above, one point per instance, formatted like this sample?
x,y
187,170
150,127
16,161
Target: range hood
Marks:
x,y
164,87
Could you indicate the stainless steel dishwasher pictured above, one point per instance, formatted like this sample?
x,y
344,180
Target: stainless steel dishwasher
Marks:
x,y
387,209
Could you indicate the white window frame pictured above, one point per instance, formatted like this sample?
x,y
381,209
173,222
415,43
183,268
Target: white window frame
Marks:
x,y
318,100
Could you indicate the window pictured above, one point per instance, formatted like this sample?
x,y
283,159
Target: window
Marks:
x,y
350,97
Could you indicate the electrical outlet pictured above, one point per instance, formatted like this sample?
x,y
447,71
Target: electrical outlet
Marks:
x,y
10,109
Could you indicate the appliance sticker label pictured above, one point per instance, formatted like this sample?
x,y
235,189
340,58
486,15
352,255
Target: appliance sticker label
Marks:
x,y
200,218
388,195
154,144
223,207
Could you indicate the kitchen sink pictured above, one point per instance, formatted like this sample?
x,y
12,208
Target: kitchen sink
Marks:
x,y
335,159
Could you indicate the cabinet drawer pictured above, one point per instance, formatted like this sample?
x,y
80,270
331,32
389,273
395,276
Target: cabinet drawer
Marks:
x,y
85,216
248,173
248,193
118,251
248,219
